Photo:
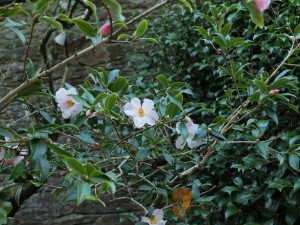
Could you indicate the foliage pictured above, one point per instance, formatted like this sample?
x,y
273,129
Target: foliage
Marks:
x,y
237,81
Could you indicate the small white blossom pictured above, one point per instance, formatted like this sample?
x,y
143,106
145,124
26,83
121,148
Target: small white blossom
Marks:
x,y
157,220
66,103
141,114
192,128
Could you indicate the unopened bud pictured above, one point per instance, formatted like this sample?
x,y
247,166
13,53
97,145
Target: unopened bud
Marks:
x,y
274,92
96,145
90,114
105,30
209,130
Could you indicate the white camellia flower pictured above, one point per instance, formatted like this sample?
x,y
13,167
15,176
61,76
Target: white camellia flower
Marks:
x,y
157,220
192,128
66,103
141,114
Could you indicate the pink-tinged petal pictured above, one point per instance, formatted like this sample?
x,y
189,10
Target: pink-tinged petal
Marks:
x,y
148,105
136,103
2,153
139,121
16,160
193,143
161,222
158,214
179,142
192,128
66,113
76,109
262,5
130,109
274,92
177,128
146,220
153,116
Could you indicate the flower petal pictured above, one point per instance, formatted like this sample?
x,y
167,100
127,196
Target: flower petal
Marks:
x,y
146,220
139,121
136,103
179,142
193,143
151,118
130,109
192,128
158,214
147,105
161,222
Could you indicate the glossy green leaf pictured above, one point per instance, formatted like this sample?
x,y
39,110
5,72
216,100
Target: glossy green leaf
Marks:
x,y
141,28
52,22
84,27
83,190
41,6
38,148
76,166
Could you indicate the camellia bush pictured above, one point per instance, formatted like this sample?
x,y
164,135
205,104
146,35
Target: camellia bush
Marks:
x,y
211,138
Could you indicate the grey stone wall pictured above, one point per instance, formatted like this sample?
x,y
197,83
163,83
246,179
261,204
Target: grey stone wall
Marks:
x,y
38,208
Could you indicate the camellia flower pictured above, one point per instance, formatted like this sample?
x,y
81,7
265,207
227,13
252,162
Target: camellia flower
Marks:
x,y
274,92
157,220
192,128
66,103
141,114
105,29
262,5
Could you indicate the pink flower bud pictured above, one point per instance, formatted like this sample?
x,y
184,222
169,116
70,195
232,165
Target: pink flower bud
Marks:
x,y
96,145
105,30
262,5
90,114
274,92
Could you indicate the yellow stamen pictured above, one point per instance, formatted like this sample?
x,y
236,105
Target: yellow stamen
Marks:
x,y
153,221
141,112
70,103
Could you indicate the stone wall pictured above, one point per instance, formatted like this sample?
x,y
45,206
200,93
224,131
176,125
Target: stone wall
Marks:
x,y
38,208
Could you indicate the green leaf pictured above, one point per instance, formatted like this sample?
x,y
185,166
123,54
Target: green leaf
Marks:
x,y
164,80
175,100
83,190
123,36
52,22
187,4
261,86
181,127
220,41
226,29
19,33
202,31
84,27
113,75
115,7
18,170
153,40
162,192
297,31
100,98
141,28
142,154
58,150
264,148
41,7
89,96
38,148
231,210
76,166
43,166
294,162
256,16
18,194
291,217
111,101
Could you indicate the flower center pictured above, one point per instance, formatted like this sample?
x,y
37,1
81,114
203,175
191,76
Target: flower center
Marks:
x,y
153,221
141,112
70,103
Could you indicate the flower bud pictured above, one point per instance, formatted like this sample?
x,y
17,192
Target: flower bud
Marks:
x,y
274,92
96,145
262,5
105,29
90,114
209,130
